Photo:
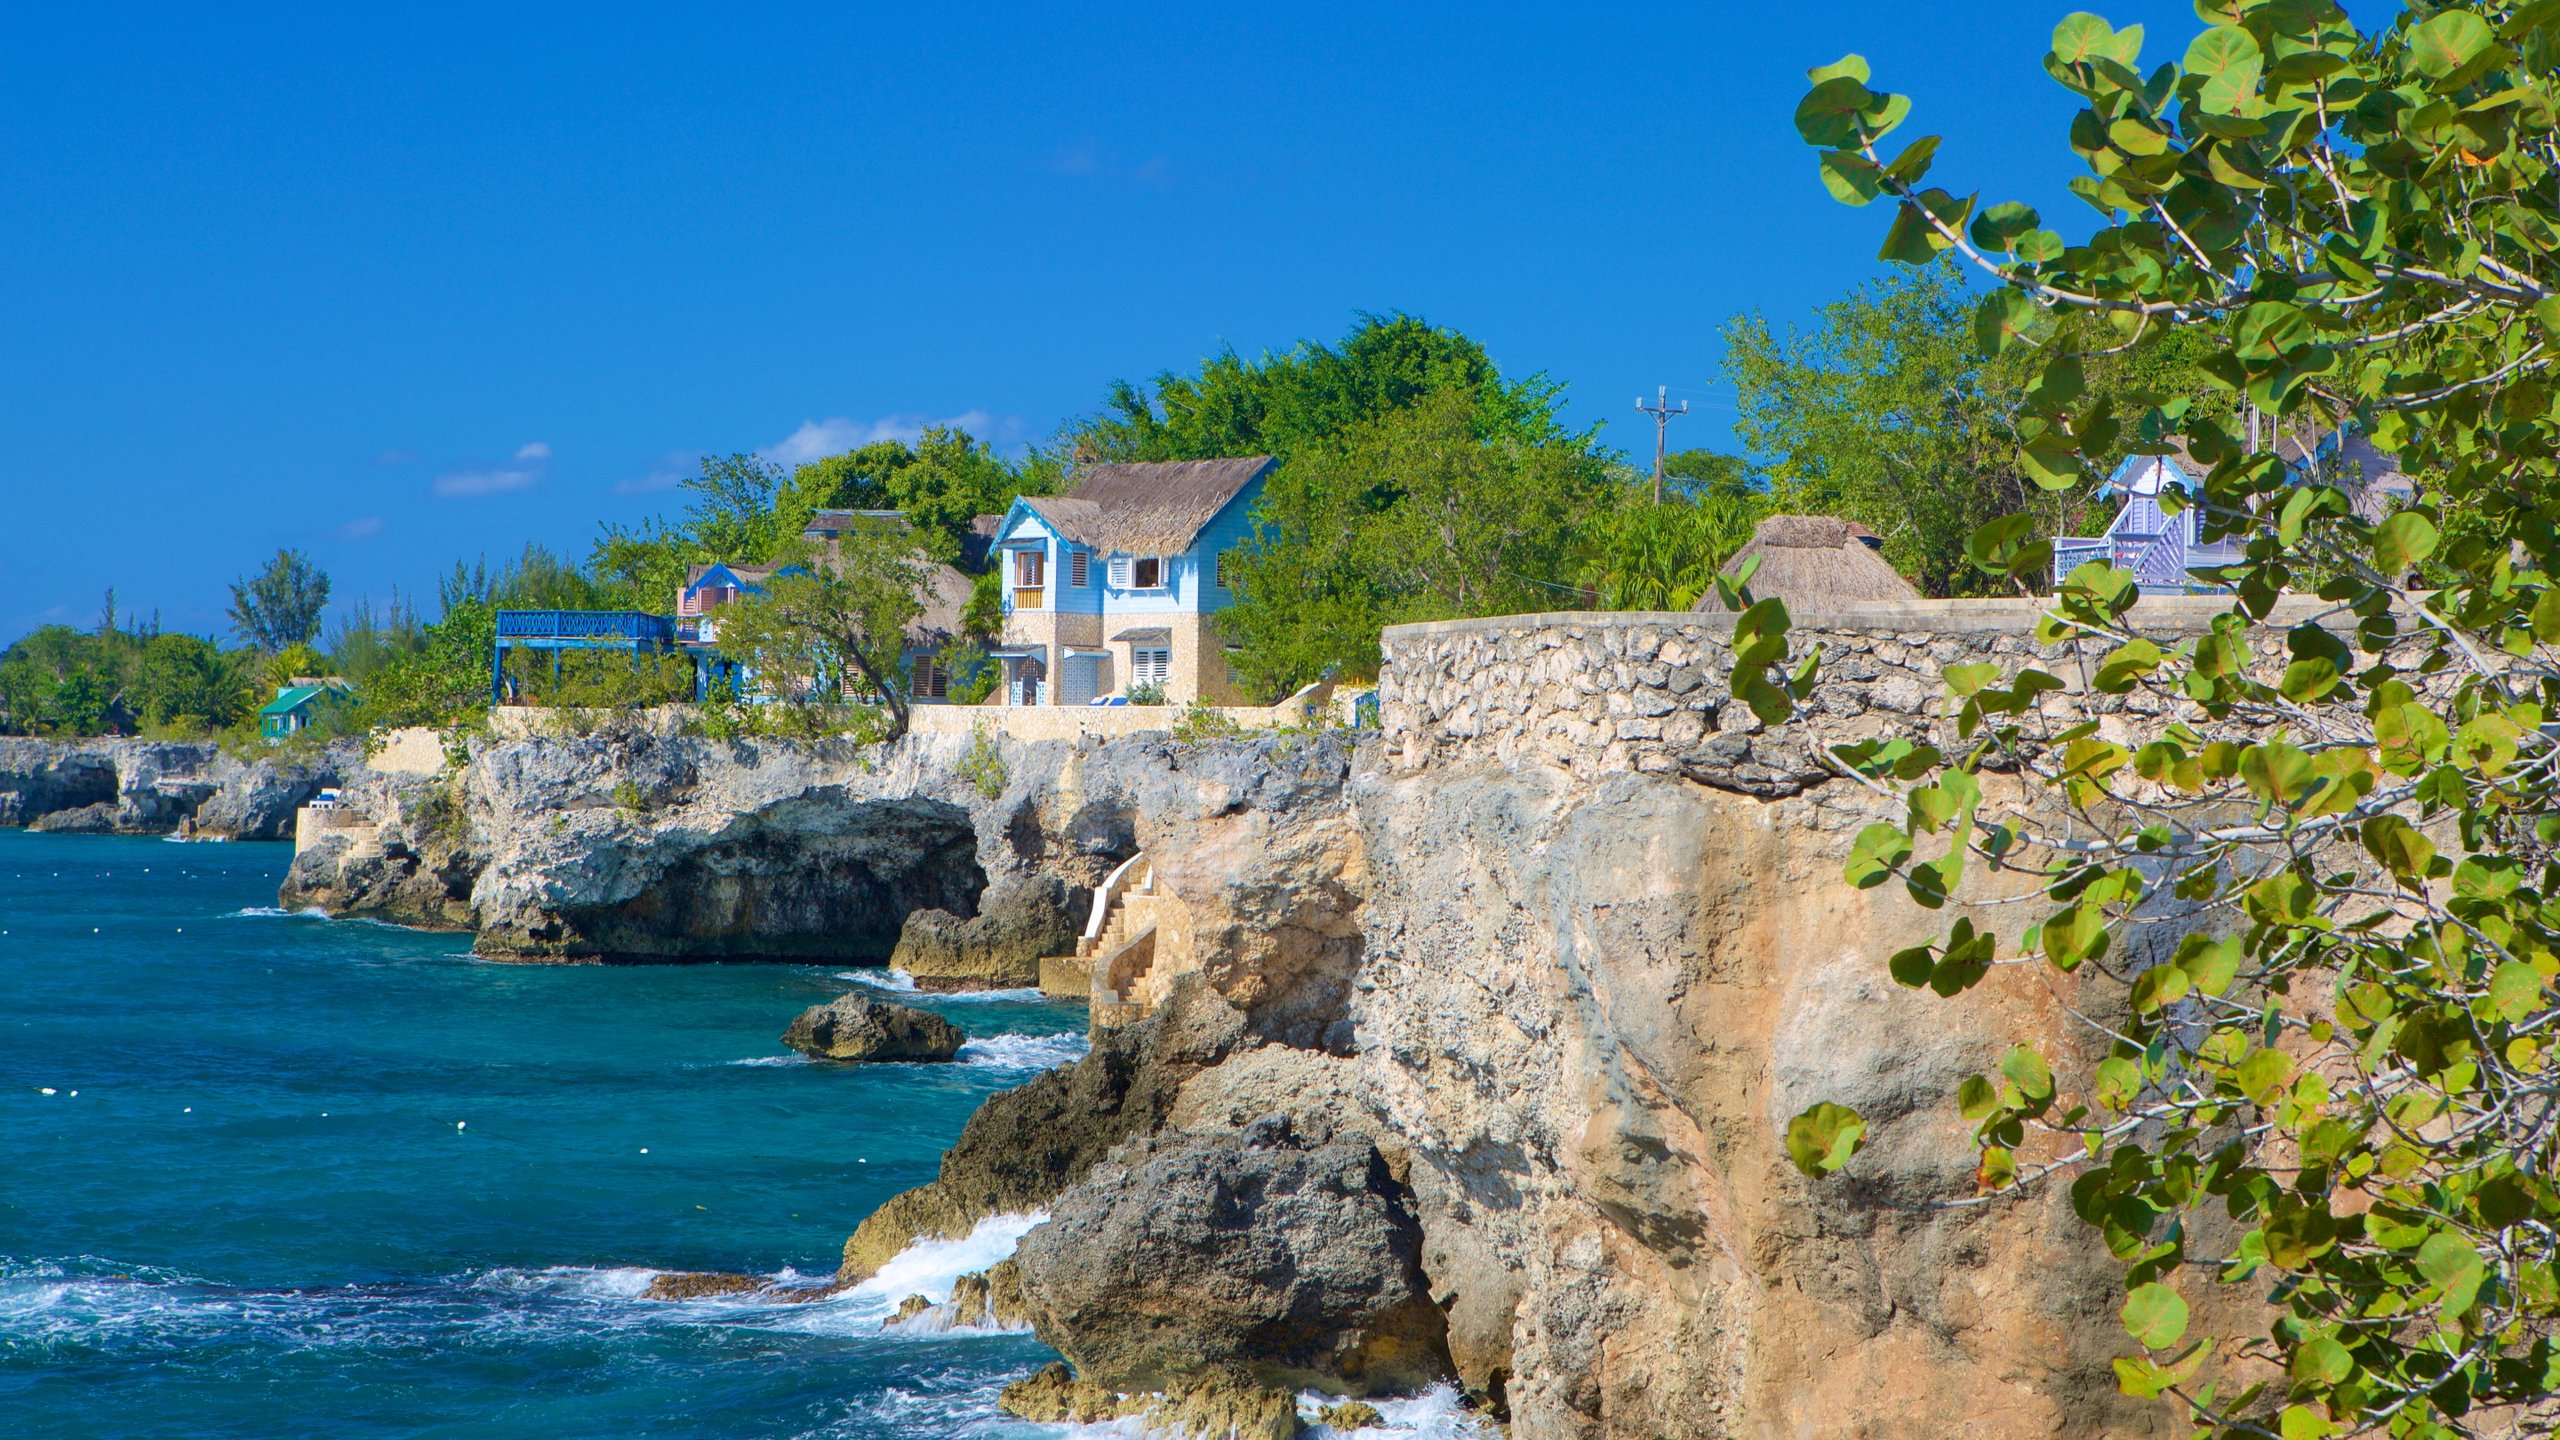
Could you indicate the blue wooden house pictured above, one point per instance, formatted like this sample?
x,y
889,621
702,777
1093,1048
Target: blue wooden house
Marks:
x,y
2163,550
2158,547
1117,584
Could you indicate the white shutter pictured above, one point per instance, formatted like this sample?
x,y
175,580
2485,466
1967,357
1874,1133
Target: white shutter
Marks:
x,y
1119,572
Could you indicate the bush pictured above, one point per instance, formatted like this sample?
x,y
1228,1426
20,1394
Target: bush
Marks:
x,y
982,765
1202,722
1147,692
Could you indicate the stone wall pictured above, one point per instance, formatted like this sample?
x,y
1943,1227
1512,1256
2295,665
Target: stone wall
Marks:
x,y
1601,693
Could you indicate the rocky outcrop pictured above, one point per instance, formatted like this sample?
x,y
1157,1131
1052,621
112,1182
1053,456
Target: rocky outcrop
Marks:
x,y
1000,947
856,1027
142,787
1258,1258
1027,1145
412,862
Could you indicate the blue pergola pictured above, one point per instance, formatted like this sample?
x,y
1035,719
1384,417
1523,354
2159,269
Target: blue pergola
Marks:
x,y
635,631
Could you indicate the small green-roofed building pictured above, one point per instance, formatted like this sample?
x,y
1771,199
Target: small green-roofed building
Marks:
x,y
298,705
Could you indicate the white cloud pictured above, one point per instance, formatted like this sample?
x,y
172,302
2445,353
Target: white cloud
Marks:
x,y
817,439
651,483
471,484
360,527
534,450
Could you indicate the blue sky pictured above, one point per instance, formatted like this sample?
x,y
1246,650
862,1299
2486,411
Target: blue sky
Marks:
x,y
400,289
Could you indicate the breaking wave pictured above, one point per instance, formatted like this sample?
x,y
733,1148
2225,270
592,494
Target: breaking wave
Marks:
x,y
1025,1052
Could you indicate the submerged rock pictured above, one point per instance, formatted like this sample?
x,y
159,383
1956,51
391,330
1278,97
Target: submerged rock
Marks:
x,y
1258,1258
857,1027
701,1285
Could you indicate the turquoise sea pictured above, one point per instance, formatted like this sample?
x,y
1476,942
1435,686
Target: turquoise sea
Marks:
x,y
269,1175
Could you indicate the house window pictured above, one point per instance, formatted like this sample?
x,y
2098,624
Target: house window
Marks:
x,y
932,681
1079,571
1150,666
1218,569
1146,573
1030,567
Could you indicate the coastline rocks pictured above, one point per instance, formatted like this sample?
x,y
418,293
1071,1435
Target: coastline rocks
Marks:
x,y
1258,1258
989,1299
1026,1144
999,948
1052,1396
857,1027
147,787
715,1284
411,863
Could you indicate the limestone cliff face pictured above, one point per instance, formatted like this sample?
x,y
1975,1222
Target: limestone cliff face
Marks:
x,y
1589,1010
145,787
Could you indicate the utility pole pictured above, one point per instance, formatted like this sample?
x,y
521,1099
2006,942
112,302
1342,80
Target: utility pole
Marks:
x,y
1661,410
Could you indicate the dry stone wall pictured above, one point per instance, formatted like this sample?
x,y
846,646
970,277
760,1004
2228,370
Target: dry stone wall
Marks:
x,y
1599,693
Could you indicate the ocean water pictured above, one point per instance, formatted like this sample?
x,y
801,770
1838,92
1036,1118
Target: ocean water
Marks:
x,y
273,1175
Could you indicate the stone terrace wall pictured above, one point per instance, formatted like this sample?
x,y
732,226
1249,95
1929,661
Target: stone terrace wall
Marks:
x,y
1600,692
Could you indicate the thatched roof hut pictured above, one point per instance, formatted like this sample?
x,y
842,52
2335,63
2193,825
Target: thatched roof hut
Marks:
x,y
1814,562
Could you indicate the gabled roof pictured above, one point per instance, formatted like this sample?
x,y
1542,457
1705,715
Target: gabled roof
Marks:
x,y
1152,508
742,577
294,697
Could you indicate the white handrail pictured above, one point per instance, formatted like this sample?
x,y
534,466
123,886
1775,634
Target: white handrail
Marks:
x,y
1102,897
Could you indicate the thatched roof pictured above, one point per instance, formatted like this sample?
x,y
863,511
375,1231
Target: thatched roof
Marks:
x,y
1155,508
946,594
1814,561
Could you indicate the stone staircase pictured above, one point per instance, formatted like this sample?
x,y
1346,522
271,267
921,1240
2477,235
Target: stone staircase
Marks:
x,y
1116,955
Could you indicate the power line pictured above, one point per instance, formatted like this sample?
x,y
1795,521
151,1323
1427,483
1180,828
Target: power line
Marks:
x,y
1662,409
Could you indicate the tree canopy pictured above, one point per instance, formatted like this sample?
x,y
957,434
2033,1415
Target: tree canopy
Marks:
x,y
281,604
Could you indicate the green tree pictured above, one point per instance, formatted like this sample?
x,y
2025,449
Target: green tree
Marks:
x,y
1642,556
1416,515
183,678
2342,1064
443,682
280,605
366,639
79,703
837,625
1886,413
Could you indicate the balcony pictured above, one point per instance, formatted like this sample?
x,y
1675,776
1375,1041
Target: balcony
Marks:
x,y
633,626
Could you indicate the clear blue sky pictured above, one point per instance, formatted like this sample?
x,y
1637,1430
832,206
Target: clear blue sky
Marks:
x,y
401,289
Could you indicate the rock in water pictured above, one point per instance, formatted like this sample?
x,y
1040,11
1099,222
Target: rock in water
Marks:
x,y
1254,1258
857,1027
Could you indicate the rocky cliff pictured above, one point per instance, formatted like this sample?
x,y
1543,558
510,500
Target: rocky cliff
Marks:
x,y
144,787
1492,1027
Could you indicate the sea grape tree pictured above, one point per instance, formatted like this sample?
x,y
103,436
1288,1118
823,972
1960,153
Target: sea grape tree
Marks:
x,y
2318,849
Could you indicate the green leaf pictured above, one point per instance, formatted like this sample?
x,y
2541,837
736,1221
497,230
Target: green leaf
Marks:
x,y
1969,679
2117,1082
2026,1070
1771,703
2155,1316
1999,227
2228,61
2073,934
2322,1361
2452,47
2515,988
2448,1260
2083,37
2270,330
2275,771
1829,113
2211,965
1822,1139
1852,65
2263,1074
1878,851
1911,967
2127,665
1850,177
2006,319
2402,541
1976,1097
2399,846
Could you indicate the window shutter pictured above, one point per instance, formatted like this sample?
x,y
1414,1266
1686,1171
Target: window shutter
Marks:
x,y
1120,572
1078,572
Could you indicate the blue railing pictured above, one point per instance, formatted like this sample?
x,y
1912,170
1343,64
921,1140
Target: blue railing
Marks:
x,y
632,625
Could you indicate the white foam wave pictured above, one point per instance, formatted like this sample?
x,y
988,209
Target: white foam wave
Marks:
x,y
794,1059
896,980
1435,1414
1027,994
1025,1052
929,1267
273,912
